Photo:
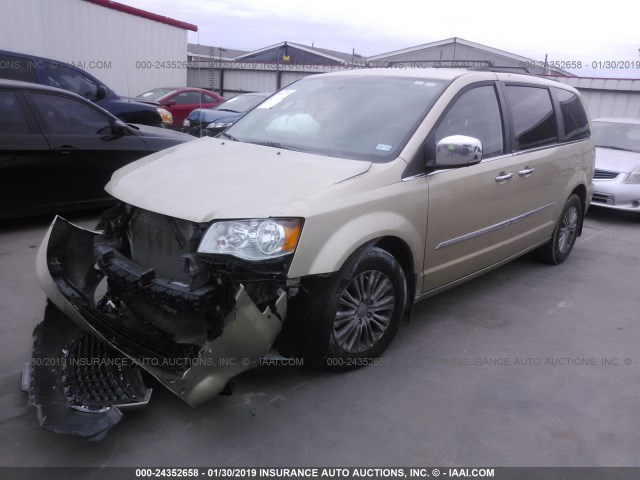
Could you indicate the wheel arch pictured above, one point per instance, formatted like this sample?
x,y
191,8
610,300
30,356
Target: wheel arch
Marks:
x,y
581,192
399,249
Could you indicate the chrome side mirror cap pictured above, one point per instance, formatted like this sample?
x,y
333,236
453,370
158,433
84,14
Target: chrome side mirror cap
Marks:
x,y
458,151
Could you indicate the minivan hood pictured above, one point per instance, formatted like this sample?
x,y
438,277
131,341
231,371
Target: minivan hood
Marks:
x,y
212,178
616,160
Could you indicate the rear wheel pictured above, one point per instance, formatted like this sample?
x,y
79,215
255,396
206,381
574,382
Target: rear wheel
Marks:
x,y
564,236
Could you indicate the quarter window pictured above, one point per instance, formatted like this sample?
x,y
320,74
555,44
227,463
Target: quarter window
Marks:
x,y
574,118
476,113
534,120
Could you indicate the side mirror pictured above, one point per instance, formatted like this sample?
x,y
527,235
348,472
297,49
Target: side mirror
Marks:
x,y
170,103
101,93
458,151
119,128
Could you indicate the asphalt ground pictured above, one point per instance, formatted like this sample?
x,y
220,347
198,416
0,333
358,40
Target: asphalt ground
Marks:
x,y
529,365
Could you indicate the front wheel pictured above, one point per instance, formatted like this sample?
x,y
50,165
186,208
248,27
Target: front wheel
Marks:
x,y
564,236
365,311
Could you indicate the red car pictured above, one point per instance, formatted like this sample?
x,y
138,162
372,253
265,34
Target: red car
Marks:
x,y
180,101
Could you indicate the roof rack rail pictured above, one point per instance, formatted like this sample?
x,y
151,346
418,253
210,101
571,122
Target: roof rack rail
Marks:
x,y
523,70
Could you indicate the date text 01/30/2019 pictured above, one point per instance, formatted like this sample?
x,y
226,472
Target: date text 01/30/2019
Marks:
x,y
577,64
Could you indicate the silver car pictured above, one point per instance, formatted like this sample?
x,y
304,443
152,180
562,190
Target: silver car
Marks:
x,y
617,176
312,226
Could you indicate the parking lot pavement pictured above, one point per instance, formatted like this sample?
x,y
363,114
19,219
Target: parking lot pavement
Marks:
x,y
530,365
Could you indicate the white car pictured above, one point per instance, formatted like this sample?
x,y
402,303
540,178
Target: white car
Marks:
x,y
617,176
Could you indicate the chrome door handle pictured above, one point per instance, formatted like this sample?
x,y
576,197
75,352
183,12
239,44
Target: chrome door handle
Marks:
x,y
526,171
503,177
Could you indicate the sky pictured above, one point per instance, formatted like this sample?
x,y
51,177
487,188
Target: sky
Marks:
x,y
564,31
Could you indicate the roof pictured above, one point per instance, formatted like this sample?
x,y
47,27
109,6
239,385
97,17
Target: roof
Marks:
x,y
17,84
323,52
207,51
462,41
144,14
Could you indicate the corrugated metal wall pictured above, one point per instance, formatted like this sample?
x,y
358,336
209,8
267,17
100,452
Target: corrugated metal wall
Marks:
x,y
238,78
122,50
608,97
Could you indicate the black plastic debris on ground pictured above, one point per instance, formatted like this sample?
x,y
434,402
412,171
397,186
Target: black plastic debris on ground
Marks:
x,y
78,383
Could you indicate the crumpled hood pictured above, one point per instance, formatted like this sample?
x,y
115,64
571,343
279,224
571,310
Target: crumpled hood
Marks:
x,y
213,178
616,160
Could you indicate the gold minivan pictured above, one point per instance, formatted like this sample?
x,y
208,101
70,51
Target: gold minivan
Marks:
x,y
314,223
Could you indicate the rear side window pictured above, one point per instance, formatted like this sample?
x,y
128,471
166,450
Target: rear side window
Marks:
x,y
12,119
187,98
14,68
574,117
476,114
534,120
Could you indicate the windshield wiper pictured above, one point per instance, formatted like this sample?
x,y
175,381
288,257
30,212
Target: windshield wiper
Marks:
x,y
281,146
227,135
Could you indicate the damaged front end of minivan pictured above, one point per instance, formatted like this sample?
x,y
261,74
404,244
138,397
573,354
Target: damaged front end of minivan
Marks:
x,y
141,293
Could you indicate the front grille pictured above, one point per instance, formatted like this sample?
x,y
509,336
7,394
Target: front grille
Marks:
x,y
152,347
605,175
605,198
95,376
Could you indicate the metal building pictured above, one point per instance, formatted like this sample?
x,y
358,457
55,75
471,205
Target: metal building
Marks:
x,y
129,49
230,72
457,52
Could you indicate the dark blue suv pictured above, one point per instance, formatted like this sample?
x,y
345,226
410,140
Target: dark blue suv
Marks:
x,y
28,68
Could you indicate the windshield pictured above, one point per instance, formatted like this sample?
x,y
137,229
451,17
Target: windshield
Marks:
x,y
241,103
154,95
359,117
617,136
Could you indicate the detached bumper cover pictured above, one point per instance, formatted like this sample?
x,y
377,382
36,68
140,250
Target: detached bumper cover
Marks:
x,y
71,264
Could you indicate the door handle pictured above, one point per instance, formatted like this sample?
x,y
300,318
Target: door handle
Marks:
x,y
66,149
526,171
503,177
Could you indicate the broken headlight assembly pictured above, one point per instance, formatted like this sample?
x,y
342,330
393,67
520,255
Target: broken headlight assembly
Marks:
x,y
252,239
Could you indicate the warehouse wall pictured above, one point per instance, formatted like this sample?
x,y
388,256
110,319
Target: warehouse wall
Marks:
x,y
122,50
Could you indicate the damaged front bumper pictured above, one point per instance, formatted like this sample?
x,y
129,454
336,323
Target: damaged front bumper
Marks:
x,y
100,313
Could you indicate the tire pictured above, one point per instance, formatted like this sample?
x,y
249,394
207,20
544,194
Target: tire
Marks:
x,y
564,236
365,310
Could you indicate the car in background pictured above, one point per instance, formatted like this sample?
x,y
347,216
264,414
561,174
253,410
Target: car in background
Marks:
x,y
45,71
617,175
209,122
181,101
58,150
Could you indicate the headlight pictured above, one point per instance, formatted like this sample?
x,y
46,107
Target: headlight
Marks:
x,y
186,123
252,239
167,118
219,124
634,177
